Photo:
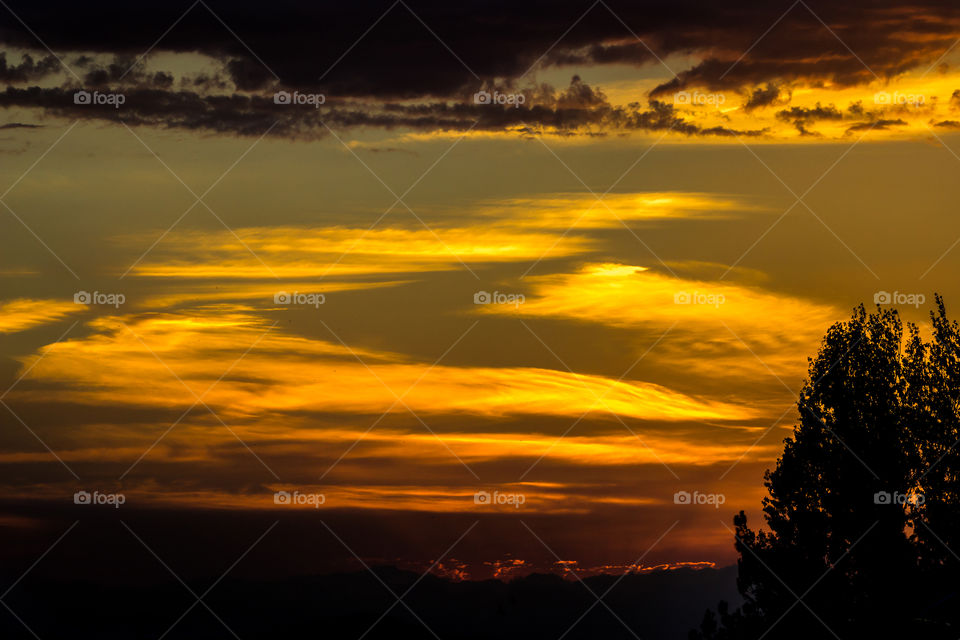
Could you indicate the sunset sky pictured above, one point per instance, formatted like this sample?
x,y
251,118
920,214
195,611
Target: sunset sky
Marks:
x,y
671,201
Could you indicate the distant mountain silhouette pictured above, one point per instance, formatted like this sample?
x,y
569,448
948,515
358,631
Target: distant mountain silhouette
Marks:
x,y
656,605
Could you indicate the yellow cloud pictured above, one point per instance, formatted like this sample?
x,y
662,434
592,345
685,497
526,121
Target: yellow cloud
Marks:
x,y
211,292
778,328
907,107
580,210
25,313
295,252
292,373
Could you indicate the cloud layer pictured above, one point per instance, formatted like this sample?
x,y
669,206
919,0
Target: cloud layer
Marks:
x,y
417,65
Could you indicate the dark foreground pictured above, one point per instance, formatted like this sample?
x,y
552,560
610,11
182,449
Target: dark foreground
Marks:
x,y
656,605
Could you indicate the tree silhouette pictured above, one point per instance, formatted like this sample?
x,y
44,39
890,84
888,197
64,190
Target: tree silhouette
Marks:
x,y
862,513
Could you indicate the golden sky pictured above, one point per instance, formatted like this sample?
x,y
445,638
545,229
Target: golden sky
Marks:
x,y
597,299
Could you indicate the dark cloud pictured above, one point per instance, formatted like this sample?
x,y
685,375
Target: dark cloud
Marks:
x,y
803,117
429,48
878,125
805,132
243,115
374,58
765,97
578,109
19,125
392,150
890,111
810,114
955,99
27,69
126,71
247,74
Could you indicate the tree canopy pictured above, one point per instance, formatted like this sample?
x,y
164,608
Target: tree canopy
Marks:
x,y
862,530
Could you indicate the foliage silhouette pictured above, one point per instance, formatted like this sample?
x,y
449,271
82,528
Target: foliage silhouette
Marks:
x,y
863,503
